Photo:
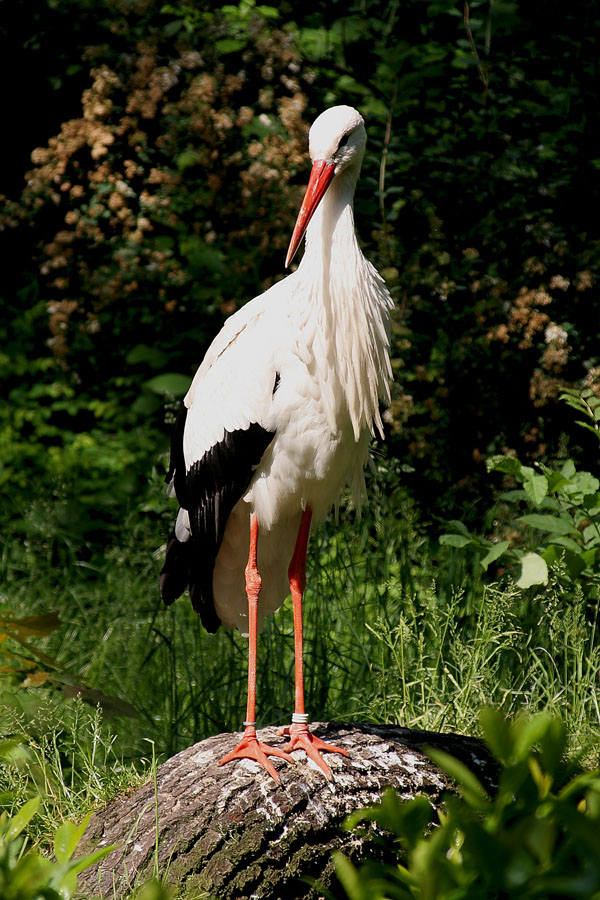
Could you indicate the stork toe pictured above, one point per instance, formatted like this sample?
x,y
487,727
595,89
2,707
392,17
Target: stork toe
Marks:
x,y
302,739
251,748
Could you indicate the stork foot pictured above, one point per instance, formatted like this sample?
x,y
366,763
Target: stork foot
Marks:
x,y
251,748
302,739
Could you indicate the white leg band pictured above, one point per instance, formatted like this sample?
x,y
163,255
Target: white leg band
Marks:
x,y
300,718
247,724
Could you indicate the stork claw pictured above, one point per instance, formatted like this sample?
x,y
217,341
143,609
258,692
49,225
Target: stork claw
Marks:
x,y
251,748
302,739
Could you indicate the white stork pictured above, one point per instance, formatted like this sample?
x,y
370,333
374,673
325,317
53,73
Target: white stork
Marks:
x,y
277,422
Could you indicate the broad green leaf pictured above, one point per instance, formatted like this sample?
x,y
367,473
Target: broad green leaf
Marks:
x,y
229,45
551,554
534,570
528,731
534,484
66,839
574,563
555,481
584,483
15,749
562,540
29,879
496,733
591,502
508,464
169,383
268,12
350,878
188,158
15,825
553,524
517,494
468,784
578,784
459,526
494,552
84,862
553,744
146,404
66,883
141,353
588,557
455,540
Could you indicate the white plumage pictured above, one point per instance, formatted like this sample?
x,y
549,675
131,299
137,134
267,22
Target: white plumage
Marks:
x,y
304,366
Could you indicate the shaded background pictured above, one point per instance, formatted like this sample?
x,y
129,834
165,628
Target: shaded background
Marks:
x,y
154,157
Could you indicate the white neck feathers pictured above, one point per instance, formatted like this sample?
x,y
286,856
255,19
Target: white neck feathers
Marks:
x,y
350,307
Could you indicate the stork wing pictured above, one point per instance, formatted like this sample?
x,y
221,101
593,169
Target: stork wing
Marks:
x,y
220,437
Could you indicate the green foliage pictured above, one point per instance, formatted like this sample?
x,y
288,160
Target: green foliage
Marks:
x,y
394,631
165,195
568,524
566,516
124,253
587,404
27,875
531,838
467,182
383,642
164,147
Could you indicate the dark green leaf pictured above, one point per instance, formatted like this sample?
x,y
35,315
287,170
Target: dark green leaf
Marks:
x,y
552,524
169,383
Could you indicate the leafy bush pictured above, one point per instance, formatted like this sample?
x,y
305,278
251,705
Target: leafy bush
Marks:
x,y
469,179
27,875
137,231
566,504
531,838
568,501
165,197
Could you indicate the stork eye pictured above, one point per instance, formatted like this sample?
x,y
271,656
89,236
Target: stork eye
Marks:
x,y
343,141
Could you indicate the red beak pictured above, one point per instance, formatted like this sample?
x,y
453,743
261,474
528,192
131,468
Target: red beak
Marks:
x,y
321,177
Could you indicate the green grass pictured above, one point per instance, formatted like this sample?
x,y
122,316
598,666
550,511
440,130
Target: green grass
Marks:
x,y
437,668
397,629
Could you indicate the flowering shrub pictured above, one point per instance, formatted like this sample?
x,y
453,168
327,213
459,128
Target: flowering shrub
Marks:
x,y
177,160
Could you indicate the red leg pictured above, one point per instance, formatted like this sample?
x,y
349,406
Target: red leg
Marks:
x,y
250,747
300,736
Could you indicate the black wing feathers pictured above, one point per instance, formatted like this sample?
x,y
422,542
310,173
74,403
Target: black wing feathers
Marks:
x,y
175,574
176,471
215,484
209,491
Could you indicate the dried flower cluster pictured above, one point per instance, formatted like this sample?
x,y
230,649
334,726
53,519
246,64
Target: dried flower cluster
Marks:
x,y
531,322
173,162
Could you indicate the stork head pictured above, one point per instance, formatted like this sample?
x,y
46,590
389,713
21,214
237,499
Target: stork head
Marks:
x,y
336,142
